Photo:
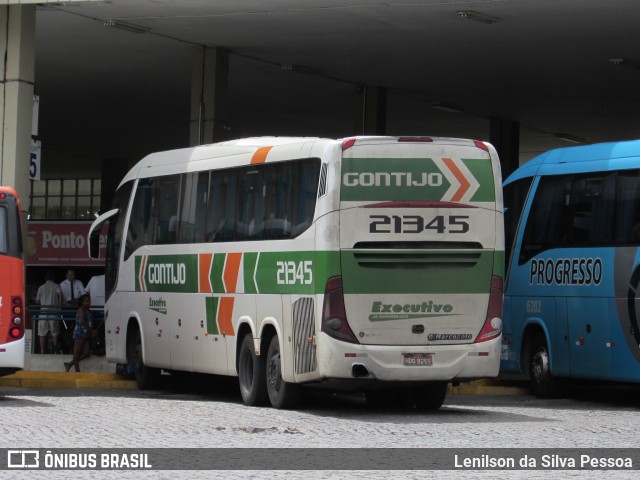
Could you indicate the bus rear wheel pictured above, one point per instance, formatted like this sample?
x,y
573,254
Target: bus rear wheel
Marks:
x,y
430,397
543,384
147,378
281,394
251,373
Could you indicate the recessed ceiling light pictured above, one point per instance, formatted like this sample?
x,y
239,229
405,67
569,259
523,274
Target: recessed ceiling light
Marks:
x,y
477,16
129,27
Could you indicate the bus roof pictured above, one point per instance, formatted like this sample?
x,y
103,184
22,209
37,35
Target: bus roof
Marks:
x,y
243,151
581,159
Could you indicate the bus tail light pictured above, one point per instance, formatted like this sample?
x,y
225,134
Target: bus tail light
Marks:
x,y
334,317
493,323
481,145
16,331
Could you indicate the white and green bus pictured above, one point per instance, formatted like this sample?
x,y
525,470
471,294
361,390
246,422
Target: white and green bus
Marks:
x,y
373,264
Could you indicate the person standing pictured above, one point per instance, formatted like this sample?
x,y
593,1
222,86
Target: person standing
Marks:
x,y
95,288
72,288
81,334
49,295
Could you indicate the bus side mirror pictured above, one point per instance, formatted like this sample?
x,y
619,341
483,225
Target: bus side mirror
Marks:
x,y
94,244
94,233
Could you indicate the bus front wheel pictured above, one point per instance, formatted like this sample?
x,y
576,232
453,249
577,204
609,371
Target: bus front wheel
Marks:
x,y
281,394
146,377
251,368
543,384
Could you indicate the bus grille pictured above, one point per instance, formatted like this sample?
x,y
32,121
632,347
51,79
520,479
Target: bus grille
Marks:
x,y
417,255
303,332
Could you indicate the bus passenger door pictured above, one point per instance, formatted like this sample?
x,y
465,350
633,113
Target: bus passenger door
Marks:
x,y
182,331
562,365
588,336
155,327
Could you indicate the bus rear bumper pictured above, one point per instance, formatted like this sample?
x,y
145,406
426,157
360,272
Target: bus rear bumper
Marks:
x,y
392,363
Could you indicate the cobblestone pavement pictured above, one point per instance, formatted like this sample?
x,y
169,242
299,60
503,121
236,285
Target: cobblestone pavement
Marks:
x,y
216,418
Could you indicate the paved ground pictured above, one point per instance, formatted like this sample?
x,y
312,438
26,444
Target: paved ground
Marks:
x,y
211,415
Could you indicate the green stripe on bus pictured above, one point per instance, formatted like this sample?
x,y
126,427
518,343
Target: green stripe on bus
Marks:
x,y
169,273
137,262
302,273
482,170
498,264
212,313
250,259
392,179
217,272
409,276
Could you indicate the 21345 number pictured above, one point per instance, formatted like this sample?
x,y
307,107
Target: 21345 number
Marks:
x,y
418,224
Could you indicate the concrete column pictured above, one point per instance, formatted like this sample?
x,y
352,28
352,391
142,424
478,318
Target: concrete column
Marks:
x,y
113,171
370,111
505,136
17,54
209,82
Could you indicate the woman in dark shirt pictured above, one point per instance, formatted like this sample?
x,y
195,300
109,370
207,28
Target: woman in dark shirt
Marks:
x,y
81,334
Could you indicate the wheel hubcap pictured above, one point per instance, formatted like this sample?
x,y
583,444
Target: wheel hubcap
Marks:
x,y
274,378
540,366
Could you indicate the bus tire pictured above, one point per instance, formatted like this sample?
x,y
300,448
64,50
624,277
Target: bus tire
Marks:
x,y
251,374
430,397
147,378
543,384
281,394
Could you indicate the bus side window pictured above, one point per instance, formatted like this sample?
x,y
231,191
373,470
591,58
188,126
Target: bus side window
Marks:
x,y
193,207
166,198
548,224
593,203
307,174
627,227
515,197
221,207
140,229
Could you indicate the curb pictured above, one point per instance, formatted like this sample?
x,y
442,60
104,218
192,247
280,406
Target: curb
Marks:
x,y
45,380
489,387
69,380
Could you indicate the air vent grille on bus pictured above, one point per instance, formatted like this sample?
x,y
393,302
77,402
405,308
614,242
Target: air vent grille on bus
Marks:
x,y
417,255
304,336
322,189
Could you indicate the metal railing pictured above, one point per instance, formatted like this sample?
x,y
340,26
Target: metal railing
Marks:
x,y
65,314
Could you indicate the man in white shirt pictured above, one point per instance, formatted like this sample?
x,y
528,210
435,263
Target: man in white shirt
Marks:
x,y
71,288
50,297
95,288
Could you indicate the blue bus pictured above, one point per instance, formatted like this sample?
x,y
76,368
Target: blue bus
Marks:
x,y
572,227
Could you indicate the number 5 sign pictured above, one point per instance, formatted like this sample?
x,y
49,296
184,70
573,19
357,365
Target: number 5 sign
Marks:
x,y
34,160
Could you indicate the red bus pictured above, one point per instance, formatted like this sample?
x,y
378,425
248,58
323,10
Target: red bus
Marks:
x,y
12,318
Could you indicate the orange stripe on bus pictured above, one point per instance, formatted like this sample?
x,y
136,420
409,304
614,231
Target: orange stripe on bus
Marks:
x,y
205,259
231,271
464,183
261,155
225,316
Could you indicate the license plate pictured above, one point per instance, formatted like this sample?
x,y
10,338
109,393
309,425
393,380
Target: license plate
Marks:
x,y
417,359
